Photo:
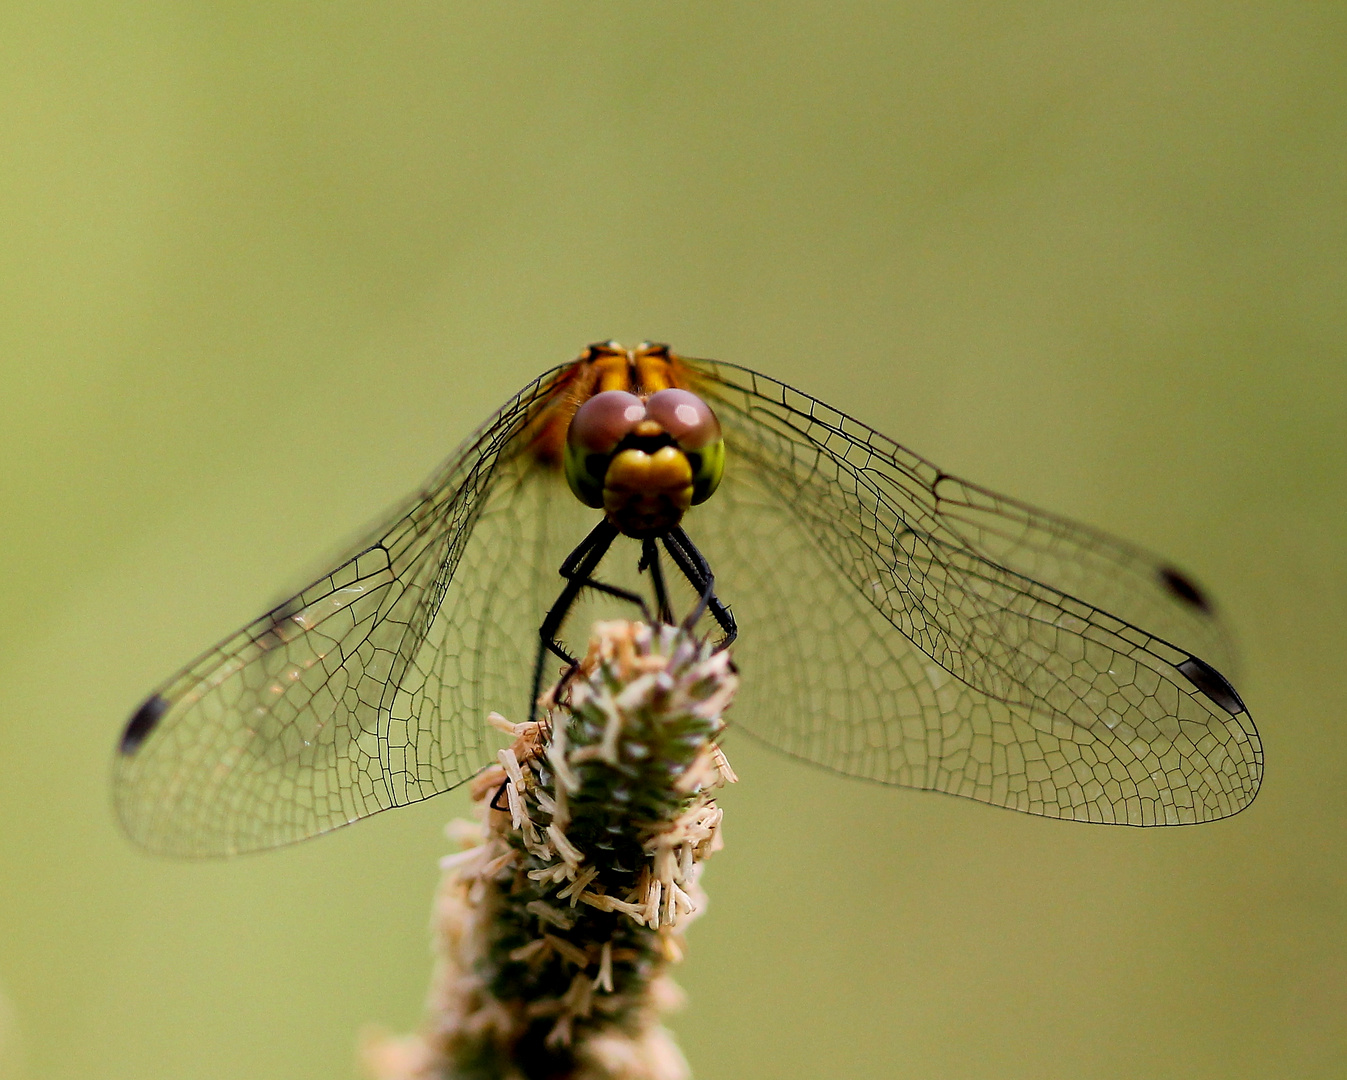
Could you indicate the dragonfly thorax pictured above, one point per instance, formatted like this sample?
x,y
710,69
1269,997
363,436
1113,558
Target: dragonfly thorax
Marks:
x,y
644,461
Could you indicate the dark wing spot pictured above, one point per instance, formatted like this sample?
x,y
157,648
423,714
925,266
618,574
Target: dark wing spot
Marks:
x,y
1183,587
144,721
1212,683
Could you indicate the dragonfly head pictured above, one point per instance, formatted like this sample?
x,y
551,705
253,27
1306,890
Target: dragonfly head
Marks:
x,y
644,461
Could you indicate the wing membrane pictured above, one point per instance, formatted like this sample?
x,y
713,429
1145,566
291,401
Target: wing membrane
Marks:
x,y
1109,574
903,563
354,696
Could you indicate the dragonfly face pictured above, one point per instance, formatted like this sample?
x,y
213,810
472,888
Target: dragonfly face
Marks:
x,y
895,622
644,460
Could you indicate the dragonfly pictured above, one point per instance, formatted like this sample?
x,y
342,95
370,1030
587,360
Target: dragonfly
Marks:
x,y
891,622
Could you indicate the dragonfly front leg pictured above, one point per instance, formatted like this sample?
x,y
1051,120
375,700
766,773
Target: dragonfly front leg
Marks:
x,y
697,570
650,561
578,569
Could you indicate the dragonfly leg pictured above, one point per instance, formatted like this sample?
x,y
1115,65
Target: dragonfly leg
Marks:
x,y
580,564
650,561
697,570
574,571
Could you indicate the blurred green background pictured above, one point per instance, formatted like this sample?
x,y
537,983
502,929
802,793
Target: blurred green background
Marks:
x,y
263,265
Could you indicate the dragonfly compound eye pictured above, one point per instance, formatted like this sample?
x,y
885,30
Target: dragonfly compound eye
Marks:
x,y
696,431
597,427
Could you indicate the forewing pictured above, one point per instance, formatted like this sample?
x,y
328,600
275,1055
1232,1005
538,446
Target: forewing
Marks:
x,y
902,637
353,696
1109,574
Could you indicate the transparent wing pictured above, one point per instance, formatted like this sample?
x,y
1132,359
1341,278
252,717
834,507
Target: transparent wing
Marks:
x,y
902,625
369,688
1110,574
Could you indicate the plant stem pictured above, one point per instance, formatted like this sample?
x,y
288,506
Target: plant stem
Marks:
x,y
555,926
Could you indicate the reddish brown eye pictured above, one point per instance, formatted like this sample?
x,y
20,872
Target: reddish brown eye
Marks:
x,y
685,416
603,421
